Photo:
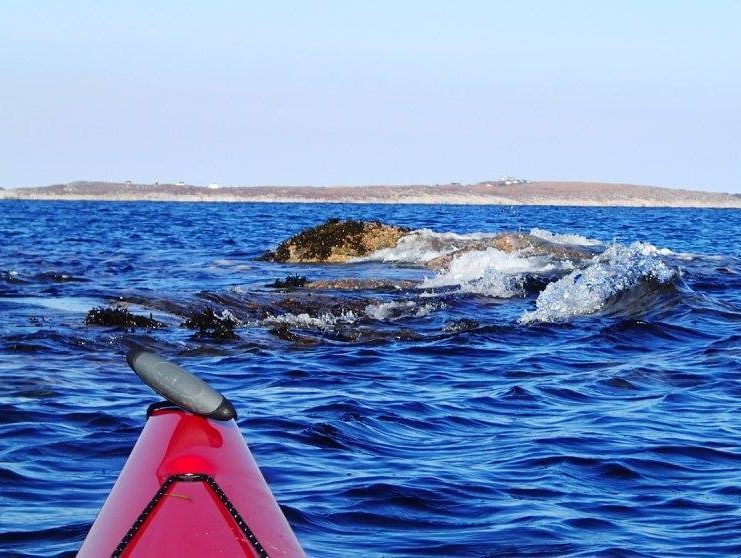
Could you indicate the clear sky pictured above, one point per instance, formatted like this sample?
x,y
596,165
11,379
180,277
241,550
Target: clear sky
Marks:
x,y
346,92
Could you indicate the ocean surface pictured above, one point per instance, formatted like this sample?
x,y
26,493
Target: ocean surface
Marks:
x,y
509,405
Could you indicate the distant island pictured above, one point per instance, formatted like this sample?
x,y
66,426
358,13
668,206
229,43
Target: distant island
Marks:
x,y
507,191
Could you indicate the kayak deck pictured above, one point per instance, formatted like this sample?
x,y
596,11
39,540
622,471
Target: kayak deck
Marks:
x,y
190,488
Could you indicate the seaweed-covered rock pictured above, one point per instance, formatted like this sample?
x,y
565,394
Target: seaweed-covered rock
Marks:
x,y
120,317
336,241
208,324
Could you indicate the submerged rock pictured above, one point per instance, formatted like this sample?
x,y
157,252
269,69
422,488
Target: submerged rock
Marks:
x,y
56,277
120,317
343,284
461,325
336,241
362,284
317,306
281,331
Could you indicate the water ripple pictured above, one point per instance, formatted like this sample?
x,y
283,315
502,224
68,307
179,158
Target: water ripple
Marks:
x,y
447,428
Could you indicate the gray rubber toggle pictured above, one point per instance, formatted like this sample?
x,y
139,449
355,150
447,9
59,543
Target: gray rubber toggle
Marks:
x,y
179,386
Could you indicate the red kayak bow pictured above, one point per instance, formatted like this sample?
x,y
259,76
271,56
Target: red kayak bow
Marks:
x,y
190,488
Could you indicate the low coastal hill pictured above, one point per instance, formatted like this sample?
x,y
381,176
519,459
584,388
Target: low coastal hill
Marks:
x,y
501,192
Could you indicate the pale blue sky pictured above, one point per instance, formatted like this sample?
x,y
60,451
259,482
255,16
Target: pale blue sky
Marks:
x,y
353,92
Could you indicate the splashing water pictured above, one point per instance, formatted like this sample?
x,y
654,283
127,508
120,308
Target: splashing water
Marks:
x,y
324,321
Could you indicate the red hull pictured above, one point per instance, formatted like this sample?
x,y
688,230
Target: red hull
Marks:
x,y
201,493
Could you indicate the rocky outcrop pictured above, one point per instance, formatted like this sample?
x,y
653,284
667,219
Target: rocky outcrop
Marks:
x,y
336,241
340,241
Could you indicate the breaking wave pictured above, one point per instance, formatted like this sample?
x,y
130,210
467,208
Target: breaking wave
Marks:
x,y
618,270
490,272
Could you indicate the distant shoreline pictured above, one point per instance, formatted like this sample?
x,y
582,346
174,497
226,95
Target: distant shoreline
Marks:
x,y
484,193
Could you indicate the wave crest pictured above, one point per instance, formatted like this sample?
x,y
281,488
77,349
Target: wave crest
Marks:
x,y
618,270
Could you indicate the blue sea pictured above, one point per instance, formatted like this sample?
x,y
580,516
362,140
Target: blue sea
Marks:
x,y
511,404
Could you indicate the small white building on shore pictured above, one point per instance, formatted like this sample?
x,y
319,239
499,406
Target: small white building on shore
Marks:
x,y
509,180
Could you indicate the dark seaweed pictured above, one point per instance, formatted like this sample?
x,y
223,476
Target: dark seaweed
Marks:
x,y
209,325
290,282
120,317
